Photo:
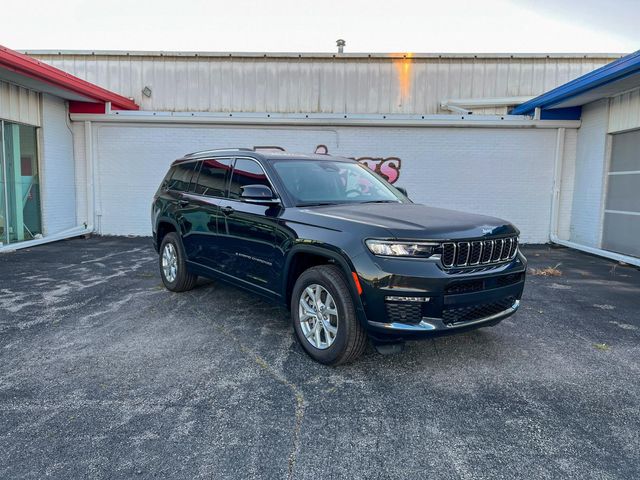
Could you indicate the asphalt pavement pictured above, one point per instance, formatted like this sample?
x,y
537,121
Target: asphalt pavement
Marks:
x,y
104,374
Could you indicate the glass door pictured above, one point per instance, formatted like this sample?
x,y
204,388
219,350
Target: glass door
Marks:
x,y
20,217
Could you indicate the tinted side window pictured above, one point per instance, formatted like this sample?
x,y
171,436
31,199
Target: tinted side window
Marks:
x,y
246,172
213,177
181,177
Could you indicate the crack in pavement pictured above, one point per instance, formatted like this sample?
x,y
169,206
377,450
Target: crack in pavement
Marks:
x,y
301,403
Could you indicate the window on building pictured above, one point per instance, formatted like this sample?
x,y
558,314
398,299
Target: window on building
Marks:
x,y
213,177
246,172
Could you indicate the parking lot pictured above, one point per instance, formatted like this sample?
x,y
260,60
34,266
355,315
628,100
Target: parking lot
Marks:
x,y
105,374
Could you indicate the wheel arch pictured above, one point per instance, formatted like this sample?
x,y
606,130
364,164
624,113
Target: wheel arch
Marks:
x,y
302,257
164,226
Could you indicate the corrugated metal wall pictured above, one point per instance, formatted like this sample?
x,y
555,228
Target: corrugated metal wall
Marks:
x,y
353,84
19,104
624,111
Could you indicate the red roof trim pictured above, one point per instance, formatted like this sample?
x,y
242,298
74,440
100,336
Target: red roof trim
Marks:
x,y
33,68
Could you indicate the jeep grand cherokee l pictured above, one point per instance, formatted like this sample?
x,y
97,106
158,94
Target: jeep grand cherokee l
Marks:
x,y
348,253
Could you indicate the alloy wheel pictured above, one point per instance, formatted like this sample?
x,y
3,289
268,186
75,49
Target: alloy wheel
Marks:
x,y
170,262
318,316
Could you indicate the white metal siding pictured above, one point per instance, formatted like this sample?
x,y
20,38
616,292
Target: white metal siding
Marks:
x,y
590,171
57,168
502,172
19,104
624,113
355,84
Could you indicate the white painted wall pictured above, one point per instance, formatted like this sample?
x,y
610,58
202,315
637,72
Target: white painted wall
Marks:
x,y
567,184
57,165
81,174
590,173
503,172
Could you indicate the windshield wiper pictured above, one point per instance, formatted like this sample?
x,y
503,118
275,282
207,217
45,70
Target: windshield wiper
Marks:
x,y
315,204
381,201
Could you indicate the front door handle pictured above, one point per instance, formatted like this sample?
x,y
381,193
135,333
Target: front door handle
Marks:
x,y
183,202
227,210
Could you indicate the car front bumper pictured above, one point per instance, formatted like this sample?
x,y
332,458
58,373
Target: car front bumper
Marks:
x,y
428,324
409,299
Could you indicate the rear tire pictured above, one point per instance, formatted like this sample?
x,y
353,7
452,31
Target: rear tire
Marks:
x,y
321,301
173,267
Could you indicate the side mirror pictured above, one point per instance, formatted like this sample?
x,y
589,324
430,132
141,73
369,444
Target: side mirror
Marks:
x,y
258,194
403,191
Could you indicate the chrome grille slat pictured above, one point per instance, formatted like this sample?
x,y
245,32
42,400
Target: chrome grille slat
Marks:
x,y
479,252
506,249
475,253
463,254
497,252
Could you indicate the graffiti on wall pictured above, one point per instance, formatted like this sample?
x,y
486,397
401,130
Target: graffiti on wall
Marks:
x,y
387,167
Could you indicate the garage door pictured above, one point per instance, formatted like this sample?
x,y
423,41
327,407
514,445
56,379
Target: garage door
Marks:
x,y
622,209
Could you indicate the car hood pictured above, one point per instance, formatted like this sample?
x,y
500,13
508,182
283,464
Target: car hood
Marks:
x,y
406,221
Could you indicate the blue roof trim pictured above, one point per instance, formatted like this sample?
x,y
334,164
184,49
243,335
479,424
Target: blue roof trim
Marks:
x,y
568,113
608,73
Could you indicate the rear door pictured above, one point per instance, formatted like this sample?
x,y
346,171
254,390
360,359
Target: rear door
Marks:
x,y
249,229
207,191
178,191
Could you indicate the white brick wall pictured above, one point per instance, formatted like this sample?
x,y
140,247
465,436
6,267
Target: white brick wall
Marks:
x,y
590,171
58,186
503,172
567,184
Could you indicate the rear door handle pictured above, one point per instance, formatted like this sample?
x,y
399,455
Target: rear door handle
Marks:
x,y
227,210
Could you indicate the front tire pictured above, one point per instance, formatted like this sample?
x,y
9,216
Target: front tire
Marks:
x,y
324,317
173,267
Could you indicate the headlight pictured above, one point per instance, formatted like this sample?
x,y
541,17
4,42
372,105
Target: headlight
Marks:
x,y
390,248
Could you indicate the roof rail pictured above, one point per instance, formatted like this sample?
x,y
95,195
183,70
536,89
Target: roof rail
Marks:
x,y
214,150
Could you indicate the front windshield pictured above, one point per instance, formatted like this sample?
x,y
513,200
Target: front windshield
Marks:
x,y
326,182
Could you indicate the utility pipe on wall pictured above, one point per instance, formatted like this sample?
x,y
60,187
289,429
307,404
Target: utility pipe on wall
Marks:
x,y
466,105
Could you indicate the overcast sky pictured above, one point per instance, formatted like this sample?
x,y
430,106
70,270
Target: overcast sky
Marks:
x,y
314,25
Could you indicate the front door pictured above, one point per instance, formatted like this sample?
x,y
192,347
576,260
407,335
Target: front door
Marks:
x,y
249,229
19,184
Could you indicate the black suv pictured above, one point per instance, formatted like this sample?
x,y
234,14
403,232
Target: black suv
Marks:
x,y
349,253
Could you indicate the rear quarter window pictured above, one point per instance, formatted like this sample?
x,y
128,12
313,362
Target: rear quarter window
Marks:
x,y
182,176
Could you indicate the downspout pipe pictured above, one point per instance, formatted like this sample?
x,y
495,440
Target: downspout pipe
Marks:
x,y
467,105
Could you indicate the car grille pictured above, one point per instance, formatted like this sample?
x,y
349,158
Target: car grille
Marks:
x,y
451,316
479,252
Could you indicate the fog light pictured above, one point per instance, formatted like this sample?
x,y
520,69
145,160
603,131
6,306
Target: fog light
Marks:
x,y
406,299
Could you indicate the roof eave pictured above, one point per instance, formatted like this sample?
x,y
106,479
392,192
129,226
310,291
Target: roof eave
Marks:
x,y
35,69
609,73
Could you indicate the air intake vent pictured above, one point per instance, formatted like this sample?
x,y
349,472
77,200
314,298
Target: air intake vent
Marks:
x,y
480,252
